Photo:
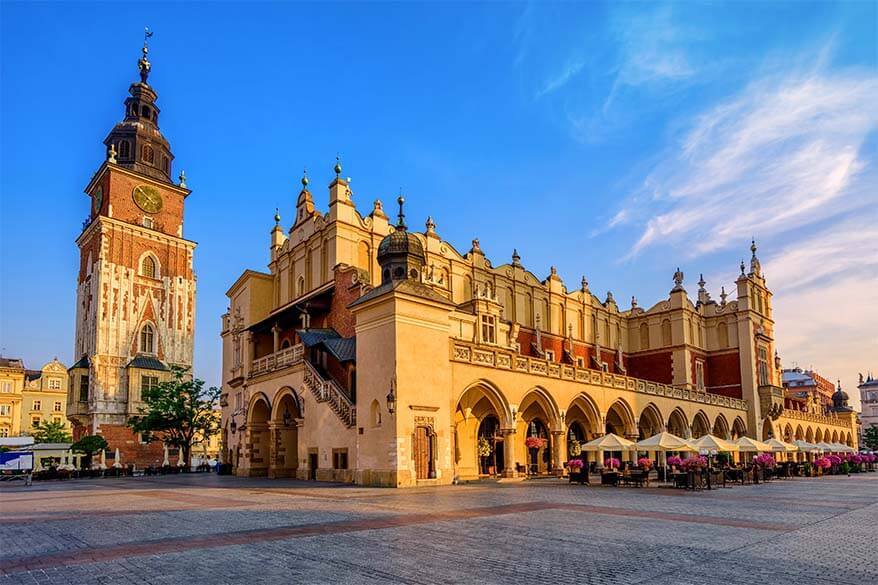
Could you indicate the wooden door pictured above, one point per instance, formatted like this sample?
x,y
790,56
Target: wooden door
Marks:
x,y
423,452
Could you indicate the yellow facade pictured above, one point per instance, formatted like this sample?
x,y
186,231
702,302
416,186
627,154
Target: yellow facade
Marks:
x,y
450,347
29,397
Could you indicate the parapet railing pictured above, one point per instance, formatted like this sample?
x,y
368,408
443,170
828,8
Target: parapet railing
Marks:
x,y
284,358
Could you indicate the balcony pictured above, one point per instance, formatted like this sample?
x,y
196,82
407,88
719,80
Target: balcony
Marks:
x,y
278,360
504,359
771,401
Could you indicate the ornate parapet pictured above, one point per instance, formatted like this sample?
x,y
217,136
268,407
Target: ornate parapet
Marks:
x,y
825,419
505,359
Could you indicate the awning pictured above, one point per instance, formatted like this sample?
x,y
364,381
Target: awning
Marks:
x,y
664,442
610,442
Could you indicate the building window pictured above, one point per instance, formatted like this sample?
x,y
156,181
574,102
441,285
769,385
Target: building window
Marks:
x,y
148,154
35,421
148,267
38,405
550,355
148,383
165,164
489,329
666,332
6,387
762,366
56,419
300,286
580,362
339,458
147,339
644,336
5,409
54,383
57,406
124,149
4,432
83,388
699,375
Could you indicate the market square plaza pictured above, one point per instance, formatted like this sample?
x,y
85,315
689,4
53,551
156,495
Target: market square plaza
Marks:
x,y
201,528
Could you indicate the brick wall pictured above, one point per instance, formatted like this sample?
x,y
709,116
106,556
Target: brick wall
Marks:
x,y
347,291
723,374
656,367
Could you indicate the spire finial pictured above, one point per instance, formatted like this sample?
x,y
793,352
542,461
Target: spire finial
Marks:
x,y
430,225
143,64
400,223
182,178
701,282
584,283
516,259
753,246
742,267
305,180
337,167
276,216
111,153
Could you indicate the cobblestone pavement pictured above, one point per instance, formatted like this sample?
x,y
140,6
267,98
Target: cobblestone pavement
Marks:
x,y
202,528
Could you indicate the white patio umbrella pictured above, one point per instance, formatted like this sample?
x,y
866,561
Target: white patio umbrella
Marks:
x,y
752,445
711,443
827,448
664,442
805,446
610,442
778,446
166,460
117,460
842,448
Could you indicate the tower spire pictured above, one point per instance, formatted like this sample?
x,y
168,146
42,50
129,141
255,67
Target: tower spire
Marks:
x,y
400,224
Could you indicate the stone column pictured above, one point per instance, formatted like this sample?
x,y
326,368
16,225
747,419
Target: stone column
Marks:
x,y
509,453
559,447
275,431
275,332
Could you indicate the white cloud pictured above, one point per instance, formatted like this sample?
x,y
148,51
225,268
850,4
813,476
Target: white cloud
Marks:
x,y
555,83
781,155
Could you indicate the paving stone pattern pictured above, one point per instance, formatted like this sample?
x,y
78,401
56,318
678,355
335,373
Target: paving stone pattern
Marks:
x,y
203,528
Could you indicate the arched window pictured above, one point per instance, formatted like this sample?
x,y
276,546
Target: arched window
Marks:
x,y
145,112
644,336
148,267
124,149
147,339
165,164
666,332
722,334
148,154
300,286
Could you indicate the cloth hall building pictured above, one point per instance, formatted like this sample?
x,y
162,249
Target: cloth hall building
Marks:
x,y
374,354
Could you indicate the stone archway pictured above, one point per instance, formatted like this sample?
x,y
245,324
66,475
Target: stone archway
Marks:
x,y
700,425
257,442
767,429
538,417
490,445
721,427
818,435
739,429
788,436
285,420
620,420
583,416
480,401
650,422
809,435
800,433
678,425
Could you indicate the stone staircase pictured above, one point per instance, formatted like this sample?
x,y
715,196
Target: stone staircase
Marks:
x,y
329,391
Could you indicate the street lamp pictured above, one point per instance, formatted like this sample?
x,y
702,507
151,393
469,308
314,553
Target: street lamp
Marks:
x,y
391,396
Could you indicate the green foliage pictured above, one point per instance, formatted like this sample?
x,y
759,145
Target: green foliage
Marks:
x,y
723,457
870,437
179,412
51,432
89,445
844,468
484,447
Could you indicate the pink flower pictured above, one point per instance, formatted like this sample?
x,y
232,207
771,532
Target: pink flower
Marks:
x,y
823,463
611,462
534,443
765,460
645,462
575,464
674,460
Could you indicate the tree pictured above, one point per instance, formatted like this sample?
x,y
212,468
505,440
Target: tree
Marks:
x,y
51,432
89,445
179,412
870,437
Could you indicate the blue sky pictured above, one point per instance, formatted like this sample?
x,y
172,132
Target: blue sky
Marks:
x,y
615,140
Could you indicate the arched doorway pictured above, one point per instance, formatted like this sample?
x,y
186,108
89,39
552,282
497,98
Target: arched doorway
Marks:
x,y
478,403
576,436
620,420
767,429
259,450
538,418
739,429
285,435
539,459
490,446
678,425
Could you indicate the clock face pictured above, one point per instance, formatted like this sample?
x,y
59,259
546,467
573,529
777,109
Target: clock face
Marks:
x,y
98,198
147,198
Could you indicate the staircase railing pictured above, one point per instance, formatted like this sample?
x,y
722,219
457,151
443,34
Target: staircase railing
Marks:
x,y
329,391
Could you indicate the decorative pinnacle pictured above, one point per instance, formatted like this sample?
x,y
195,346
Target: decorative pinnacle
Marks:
x,y
111,154
400,223
430,225
753,246
182,178
742,267
516,259
276,216
584,283
337,167
701,282
305,180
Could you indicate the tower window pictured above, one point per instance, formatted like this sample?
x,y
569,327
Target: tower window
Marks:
x,y
145,112
165,164
147,339
148,154
148,267
83,388
124,149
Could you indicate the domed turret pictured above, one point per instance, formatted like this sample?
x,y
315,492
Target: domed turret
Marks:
x,y
400,254
840,400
